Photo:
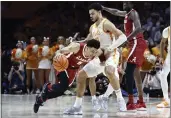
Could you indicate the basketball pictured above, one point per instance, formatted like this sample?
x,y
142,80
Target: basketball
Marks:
x,y
60,63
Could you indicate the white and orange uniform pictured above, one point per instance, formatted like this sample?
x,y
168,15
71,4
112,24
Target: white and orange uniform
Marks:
x,y
94,68
165,71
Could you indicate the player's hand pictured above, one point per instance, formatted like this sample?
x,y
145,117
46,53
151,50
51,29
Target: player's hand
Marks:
x,y
161,60
99,52
57,54
108,51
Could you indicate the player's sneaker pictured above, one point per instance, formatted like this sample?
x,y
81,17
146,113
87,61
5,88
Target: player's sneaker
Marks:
x,y
140,106
96,105
121,104
37,104
131,106
103,102
73,111
42,97
164,104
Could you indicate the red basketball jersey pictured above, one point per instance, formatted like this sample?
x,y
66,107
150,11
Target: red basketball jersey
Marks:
x,y
129,28
78,59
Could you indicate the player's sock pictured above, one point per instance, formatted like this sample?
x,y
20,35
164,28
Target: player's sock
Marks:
x,y
109,91
141,98
130,98
119,94
93,97
78,102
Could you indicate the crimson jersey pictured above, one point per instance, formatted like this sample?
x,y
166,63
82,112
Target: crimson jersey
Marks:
x,y
129,27
137,45
78,59
75,61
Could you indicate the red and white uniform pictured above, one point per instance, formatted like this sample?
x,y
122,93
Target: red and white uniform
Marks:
x,y
75,61
137,45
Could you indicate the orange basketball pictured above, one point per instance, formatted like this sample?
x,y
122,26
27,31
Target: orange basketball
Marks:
x,y
60,63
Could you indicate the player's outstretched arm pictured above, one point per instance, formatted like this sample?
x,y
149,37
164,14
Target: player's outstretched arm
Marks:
x,y
119,35
115,12
72,47
89,37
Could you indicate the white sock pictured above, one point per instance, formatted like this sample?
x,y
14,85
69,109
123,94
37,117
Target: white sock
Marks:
x,y
93,97
78,102
119,94
109,91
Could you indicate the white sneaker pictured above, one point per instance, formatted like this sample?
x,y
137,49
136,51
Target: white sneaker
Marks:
x,y
103,102
121,104
73,111
96,105
164,104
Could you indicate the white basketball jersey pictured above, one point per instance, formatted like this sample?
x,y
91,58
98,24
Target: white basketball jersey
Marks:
x,y
98,33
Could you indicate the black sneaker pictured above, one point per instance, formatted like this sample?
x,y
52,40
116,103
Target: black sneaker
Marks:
x,y
42,97
38,103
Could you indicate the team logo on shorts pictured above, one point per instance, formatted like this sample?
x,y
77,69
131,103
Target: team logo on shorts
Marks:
x,y
134,59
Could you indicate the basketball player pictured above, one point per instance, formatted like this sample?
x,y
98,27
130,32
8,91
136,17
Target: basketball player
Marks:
x,y
79,55
106,32
166,68
137,46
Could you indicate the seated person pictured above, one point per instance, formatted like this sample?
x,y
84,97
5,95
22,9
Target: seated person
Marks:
x,y
16,79
151,84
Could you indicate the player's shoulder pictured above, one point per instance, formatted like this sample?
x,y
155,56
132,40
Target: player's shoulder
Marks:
x,y
93,25
107,22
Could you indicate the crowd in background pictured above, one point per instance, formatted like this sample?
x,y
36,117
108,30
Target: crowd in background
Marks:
x,y
58,22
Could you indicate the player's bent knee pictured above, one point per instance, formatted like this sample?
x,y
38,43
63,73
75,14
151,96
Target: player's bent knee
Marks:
x,y
109,70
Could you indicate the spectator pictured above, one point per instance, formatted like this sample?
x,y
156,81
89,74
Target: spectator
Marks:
x,y
61,41
32,65
102,84
16,79
44,65
151,84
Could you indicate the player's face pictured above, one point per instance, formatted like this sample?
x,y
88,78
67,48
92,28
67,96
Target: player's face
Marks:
x,y
126,6
90,52
32,40
94,15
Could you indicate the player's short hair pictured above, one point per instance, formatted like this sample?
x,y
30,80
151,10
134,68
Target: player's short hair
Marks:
x,y
130,2
95,6
93,43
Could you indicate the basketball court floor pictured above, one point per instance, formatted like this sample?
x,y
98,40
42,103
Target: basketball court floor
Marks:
x,y
21,106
